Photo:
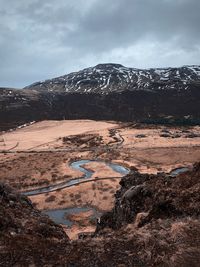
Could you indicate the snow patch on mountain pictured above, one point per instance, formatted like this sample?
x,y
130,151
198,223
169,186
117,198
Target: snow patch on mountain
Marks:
x,y
106,78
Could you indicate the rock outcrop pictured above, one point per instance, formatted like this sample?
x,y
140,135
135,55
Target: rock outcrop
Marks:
x,y
159,196
27,237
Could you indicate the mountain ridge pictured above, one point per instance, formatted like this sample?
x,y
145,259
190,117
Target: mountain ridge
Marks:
x,y
108,92
111,77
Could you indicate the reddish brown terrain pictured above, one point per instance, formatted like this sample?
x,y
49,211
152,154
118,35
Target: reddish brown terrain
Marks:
x,y
151,216
155,222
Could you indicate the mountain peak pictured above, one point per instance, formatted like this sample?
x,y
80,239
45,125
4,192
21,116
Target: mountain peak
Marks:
x,y
111,77
108,65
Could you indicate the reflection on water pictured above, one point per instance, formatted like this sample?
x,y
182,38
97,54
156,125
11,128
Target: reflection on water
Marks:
x,y
60,216
78,165
178,171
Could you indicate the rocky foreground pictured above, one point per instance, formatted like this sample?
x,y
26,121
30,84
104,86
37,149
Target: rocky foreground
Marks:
x,y
155,222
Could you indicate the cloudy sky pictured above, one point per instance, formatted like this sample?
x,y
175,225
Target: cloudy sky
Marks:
x,y
42,39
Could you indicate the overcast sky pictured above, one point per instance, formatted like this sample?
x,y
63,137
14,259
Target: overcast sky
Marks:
x,y
42,39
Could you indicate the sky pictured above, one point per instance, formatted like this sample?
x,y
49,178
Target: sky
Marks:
x,y
41,39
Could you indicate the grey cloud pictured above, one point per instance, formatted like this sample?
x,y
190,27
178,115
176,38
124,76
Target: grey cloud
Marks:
x,y
43,39
128,21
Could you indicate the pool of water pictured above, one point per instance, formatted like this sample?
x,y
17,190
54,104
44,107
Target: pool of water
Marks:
x,y
178,171
60,215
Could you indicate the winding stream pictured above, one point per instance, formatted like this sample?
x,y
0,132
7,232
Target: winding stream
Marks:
x,y
60,216
78,165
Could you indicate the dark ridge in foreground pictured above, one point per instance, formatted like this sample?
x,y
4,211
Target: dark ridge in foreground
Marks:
x,y
27,237
155,222
158,196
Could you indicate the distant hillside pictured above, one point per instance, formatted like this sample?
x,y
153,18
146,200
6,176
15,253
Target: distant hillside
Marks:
x,y
107,78
108,92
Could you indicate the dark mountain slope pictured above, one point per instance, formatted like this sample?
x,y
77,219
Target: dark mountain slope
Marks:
x,y
108,92
21,106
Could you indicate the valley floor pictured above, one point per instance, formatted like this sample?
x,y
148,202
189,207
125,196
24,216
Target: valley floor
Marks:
x,y
40,155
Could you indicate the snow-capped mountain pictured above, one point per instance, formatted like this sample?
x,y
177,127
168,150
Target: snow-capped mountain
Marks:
x,y
108,92
106,78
